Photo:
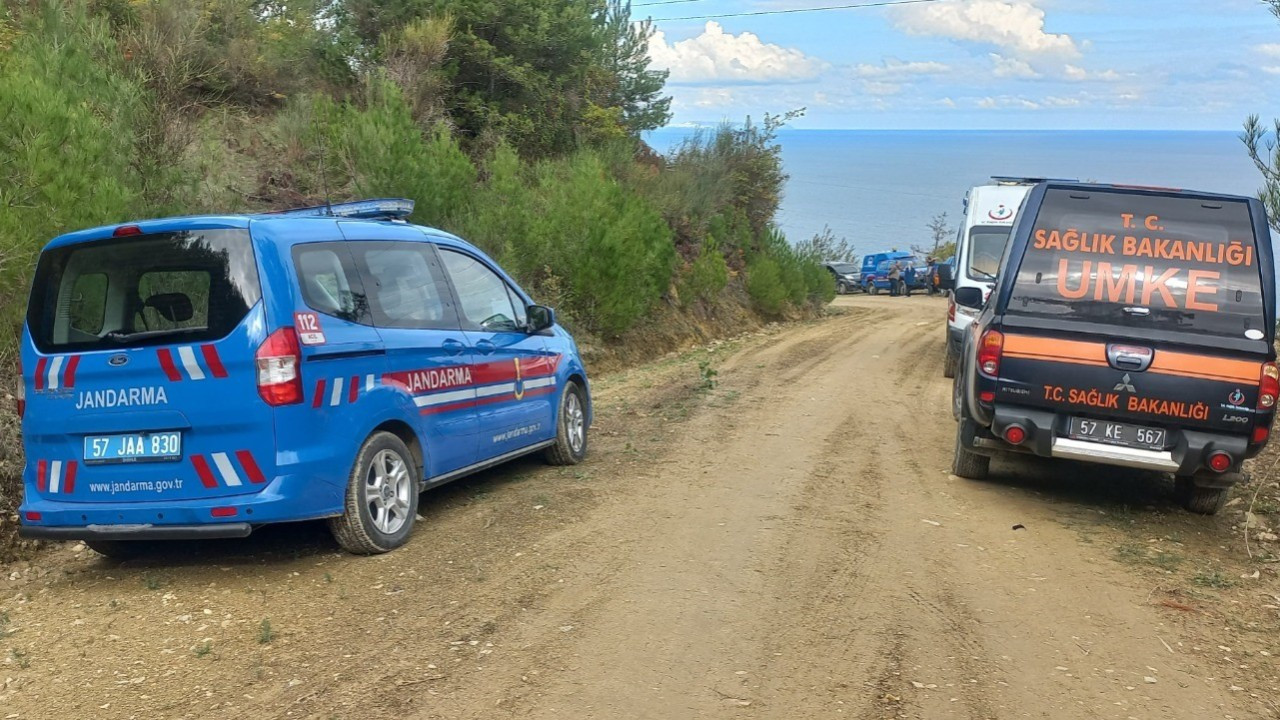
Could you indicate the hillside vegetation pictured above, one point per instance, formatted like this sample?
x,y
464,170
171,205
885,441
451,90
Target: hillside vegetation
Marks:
x,y
516,125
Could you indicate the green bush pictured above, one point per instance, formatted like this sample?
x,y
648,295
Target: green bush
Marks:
x,y
706,276
766,286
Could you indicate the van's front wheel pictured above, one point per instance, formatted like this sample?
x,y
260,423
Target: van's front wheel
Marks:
x,y
382,498
571,428
1200,500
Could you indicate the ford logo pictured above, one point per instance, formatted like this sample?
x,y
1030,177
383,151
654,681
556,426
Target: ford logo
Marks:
x,y
118,360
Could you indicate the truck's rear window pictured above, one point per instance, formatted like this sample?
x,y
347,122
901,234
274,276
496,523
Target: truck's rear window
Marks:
x,y
1138,260
143,290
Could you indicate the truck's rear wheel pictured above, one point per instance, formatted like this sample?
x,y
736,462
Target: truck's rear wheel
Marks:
x,y
382,498
964,462
1200,500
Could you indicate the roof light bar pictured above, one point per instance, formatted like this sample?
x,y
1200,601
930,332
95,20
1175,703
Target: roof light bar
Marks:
x,y
379,208
1028,180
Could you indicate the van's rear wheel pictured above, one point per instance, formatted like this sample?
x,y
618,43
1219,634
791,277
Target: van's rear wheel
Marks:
x,y
382,498
1200,500
571,428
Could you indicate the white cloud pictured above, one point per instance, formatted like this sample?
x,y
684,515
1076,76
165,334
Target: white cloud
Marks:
x,y
1062,102
1008,101
1271,69
875,87
717,56
1012,67
1015,25
714,97
946,102
892,69
1271,49
1075,73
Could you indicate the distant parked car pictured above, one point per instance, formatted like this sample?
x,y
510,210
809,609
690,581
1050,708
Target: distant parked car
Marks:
x,y
847,276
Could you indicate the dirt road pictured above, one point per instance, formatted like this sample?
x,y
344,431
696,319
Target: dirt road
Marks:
x,y
785,544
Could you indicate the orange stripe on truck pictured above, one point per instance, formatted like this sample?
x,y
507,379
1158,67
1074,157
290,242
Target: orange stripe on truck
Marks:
x,y
1165,362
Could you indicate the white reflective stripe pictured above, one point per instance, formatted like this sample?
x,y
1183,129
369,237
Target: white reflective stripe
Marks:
x,y
539,382
445,397
227,470
335,395
368,383
499,389
55,371
188,357
55,475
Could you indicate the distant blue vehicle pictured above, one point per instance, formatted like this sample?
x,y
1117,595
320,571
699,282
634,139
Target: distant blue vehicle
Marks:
x,y
914,275
199,377
871,265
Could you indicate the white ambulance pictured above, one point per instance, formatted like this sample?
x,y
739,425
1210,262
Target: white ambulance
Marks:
x,y
989,211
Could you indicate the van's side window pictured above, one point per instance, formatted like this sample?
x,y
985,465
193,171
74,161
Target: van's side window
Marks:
x,y
88,309
485,299
407,289
330,284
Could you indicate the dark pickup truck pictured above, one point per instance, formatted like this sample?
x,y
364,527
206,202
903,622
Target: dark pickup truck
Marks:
x,y
1128,326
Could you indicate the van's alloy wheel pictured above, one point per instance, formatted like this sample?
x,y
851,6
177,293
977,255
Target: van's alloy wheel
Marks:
x,y
571,427
382,497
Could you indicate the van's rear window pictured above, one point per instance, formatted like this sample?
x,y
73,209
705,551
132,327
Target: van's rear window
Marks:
x,y
143,290
1144,261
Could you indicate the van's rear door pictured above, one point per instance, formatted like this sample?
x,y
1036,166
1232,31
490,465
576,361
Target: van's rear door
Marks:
x,y
139,355
1139,305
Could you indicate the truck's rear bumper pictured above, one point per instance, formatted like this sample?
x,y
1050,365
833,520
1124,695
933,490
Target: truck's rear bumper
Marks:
x,y
1186,454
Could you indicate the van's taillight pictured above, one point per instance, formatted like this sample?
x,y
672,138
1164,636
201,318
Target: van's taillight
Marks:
x,y
21,399
951,309
1268,386
279,361
126,231
990,348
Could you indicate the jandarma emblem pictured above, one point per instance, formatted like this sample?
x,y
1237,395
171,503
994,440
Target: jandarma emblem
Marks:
x,y
1125,384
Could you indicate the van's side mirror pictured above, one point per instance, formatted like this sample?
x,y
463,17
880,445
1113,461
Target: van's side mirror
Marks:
x,y
946,280
970,297
541,317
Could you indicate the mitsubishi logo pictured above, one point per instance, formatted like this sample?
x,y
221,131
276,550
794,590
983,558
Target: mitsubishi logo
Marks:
x,y
1125,384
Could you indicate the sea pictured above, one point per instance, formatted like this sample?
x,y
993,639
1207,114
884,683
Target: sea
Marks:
x,y
879,188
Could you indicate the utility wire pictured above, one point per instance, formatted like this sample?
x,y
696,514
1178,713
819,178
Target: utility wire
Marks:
x,y
664,2
882,3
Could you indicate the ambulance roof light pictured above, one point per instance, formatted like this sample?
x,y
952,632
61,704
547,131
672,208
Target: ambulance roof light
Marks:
x,y
1014,180
375,209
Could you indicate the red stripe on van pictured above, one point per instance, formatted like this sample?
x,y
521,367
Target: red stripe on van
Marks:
x,y
202,469
213,361
319,398
69,378
42,475
166,363
41,368
353,391
69,481
250,467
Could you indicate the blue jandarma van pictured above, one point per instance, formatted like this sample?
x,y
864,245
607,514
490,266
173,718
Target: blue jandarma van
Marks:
x,y
197,377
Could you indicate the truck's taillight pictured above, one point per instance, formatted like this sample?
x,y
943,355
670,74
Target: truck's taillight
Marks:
x,y
990,348
279,362
1268,386
21,398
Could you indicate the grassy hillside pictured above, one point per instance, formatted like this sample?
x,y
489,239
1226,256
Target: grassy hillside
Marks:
x,y
513,124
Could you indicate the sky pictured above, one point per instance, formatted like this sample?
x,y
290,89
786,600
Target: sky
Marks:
x,y
972,64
